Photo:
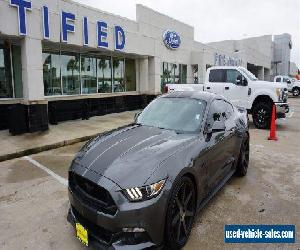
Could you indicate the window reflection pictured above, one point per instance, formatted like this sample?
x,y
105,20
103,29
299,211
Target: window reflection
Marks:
x,y
17,70
70,74
118,75
51,71
173,73
104,75
89,75
130,75
183,73
6,90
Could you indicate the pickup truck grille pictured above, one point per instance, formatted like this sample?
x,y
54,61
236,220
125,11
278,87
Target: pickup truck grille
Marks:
x,y
92,194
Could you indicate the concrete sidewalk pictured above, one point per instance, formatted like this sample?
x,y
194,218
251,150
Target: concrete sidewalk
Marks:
x,y
65,133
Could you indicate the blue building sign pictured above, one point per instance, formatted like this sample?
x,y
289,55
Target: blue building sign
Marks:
x,y
22,7
46,22
171,39
67,23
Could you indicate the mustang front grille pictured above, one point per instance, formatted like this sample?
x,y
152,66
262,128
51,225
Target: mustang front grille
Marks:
x,y
92,194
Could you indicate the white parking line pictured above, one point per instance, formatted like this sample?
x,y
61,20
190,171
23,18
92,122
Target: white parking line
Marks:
x,y
47,170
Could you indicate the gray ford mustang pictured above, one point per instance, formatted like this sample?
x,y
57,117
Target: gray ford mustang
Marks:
x,y
140,186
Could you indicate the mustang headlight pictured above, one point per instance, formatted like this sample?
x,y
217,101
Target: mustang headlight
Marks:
x,y
144,193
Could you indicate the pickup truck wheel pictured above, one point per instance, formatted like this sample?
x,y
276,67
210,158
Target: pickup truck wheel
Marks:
x,y
296,91
262,115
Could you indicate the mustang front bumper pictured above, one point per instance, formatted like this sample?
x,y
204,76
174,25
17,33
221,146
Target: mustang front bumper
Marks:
x,y
135,225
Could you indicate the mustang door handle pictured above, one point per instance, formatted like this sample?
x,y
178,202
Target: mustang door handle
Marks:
x,y
207,87
226,88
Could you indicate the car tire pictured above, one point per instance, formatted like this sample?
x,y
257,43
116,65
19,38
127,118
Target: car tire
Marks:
x,y
296,91
262,115
243,161
180,214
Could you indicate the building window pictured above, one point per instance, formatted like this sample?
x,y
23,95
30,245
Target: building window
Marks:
x,y
165,76
51,74
195,71
183,73
6,90
173,73
10,71
118,75
88,75
176,71
70,73
73,74
17,71
104,75
130,75
168,72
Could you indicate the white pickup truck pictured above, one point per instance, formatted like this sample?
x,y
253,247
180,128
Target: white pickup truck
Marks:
x,y
243,89
293,85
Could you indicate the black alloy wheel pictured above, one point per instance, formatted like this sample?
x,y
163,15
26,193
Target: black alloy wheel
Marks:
x,y
180,214
243,162
296,92
262,115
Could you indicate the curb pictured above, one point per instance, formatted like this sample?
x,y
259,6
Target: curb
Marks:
x,y
36,150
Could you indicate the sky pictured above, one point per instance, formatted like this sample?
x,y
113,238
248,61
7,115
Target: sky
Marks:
x,y
217,20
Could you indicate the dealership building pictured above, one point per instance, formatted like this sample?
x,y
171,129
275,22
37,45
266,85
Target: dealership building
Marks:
x,y
60,60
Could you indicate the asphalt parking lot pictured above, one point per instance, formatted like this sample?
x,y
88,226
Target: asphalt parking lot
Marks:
x,y
34,201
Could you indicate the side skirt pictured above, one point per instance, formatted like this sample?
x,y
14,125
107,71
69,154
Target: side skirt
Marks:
x,y
215,190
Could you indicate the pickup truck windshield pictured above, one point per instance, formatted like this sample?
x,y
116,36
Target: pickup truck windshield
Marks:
x,y
248,74
183,115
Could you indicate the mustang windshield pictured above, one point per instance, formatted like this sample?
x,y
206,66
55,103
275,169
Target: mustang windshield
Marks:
x,y
179,114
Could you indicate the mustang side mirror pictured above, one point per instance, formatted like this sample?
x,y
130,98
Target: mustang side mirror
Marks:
x,y
136,115
288,82
218,126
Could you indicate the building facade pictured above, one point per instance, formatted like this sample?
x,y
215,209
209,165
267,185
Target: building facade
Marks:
x,y
282,54
60,60
294,71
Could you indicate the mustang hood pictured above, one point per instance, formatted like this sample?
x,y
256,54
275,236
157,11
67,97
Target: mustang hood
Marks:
x,y
130,155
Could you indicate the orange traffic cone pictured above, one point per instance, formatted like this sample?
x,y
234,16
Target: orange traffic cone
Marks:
x,y
273,126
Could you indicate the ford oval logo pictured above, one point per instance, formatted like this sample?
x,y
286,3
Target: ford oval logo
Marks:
x,y
171,39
